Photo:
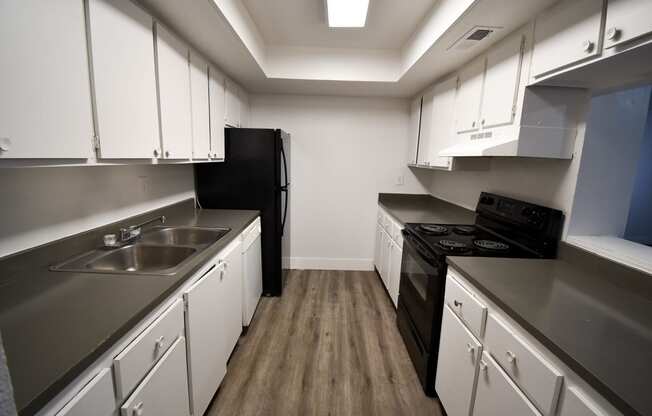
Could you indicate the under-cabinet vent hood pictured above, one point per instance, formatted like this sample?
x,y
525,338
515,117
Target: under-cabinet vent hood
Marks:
x,y
545,126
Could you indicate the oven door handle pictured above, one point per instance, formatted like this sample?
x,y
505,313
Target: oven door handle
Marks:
x,y
420,248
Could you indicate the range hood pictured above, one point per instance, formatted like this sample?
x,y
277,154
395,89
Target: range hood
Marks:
x,y
545,127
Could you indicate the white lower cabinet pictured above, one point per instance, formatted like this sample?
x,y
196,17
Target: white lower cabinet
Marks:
x,y
230,297
388,253
457,368
574,403
164,391
497,395
96,398
206,357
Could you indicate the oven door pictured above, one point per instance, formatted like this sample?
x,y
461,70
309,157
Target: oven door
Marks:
x,y
422,287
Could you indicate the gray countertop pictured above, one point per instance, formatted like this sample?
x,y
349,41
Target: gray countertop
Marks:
x,y
424,209
595,315
56,324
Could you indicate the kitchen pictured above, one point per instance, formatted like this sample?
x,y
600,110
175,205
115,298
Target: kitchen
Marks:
x,y
328,207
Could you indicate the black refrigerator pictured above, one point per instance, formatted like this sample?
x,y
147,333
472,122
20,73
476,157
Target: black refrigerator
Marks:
x,y
254,175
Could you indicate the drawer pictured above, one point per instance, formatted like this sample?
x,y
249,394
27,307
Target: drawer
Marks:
x,y
141,354
396,233
538,379
164,391
96,398
497,395
466,306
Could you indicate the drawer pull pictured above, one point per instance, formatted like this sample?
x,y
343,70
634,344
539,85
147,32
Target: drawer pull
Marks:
x,y
158,346
457,304
511,357
138,409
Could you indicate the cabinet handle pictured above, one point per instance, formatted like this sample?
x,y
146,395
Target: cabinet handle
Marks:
x,y
511,357
470,348
5,144
457,304
167,153
138,409
483,366
482,122
209,155
613,33
155,152
473,124
160,341
587,46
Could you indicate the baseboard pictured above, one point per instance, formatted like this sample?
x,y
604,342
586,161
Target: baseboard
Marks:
x,y
322,263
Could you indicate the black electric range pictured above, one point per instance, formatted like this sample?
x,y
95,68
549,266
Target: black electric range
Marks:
x,y
503,227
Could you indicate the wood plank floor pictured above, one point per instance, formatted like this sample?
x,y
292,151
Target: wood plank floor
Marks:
x,y
329,346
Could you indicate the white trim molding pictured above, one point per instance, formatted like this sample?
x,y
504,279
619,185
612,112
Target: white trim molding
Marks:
x,y
324,263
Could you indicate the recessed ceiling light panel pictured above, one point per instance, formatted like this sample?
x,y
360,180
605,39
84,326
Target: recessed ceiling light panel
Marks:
x,y
347,13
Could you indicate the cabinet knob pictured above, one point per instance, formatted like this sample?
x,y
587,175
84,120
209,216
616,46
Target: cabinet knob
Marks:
x,y
167,153
138,409
209,155
613,33
5,144
160,341
511,357
155,152
215,155
483,366
587,46
473,124
457,304
470,348
482,122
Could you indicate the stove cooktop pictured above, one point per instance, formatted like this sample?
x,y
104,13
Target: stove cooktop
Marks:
x,y
465,240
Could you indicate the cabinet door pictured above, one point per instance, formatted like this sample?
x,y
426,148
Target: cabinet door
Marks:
x,y
627,20
245,116
201,133
124,79
164,391
217,102
377,246
232,112
457,369
231,293
497,395
395,271
96,398
501,81
425,135
205,343
45,99
414,128
442,134
565,34
174,95
467,102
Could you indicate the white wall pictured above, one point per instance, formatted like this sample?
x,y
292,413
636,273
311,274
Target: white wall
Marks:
x,y
639,223
44,204
344,152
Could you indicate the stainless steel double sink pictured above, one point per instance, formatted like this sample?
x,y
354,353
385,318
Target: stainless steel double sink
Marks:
x,y
161,250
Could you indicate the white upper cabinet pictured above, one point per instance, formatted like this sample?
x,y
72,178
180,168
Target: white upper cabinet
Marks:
x,y
245,111
457,371
232,111
443,113
627,20
45,98
567,33
501,82
124,79
413,130
469,95
423,155
174,95
201,134
217,110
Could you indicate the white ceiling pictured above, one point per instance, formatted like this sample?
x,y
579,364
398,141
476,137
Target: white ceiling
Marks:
x,y
390,23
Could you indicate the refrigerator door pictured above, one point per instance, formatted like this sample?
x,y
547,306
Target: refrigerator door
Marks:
x,y
285,201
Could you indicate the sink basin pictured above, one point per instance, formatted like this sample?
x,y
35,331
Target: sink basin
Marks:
x,y
182,236
142,258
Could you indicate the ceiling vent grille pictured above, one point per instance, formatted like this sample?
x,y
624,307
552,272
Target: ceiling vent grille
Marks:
x,y
473,37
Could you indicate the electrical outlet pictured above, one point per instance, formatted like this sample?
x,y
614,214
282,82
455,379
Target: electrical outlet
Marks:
x,y
400,180
144,184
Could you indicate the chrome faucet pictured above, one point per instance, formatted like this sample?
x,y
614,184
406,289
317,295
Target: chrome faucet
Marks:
x,y
129,234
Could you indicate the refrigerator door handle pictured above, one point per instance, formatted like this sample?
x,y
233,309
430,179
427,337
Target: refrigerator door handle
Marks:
x,y
285,211
285,167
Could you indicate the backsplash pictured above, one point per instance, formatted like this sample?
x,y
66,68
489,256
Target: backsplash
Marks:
x,y
45,204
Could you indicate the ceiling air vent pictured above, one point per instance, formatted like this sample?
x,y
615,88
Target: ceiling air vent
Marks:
x,y
473,37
